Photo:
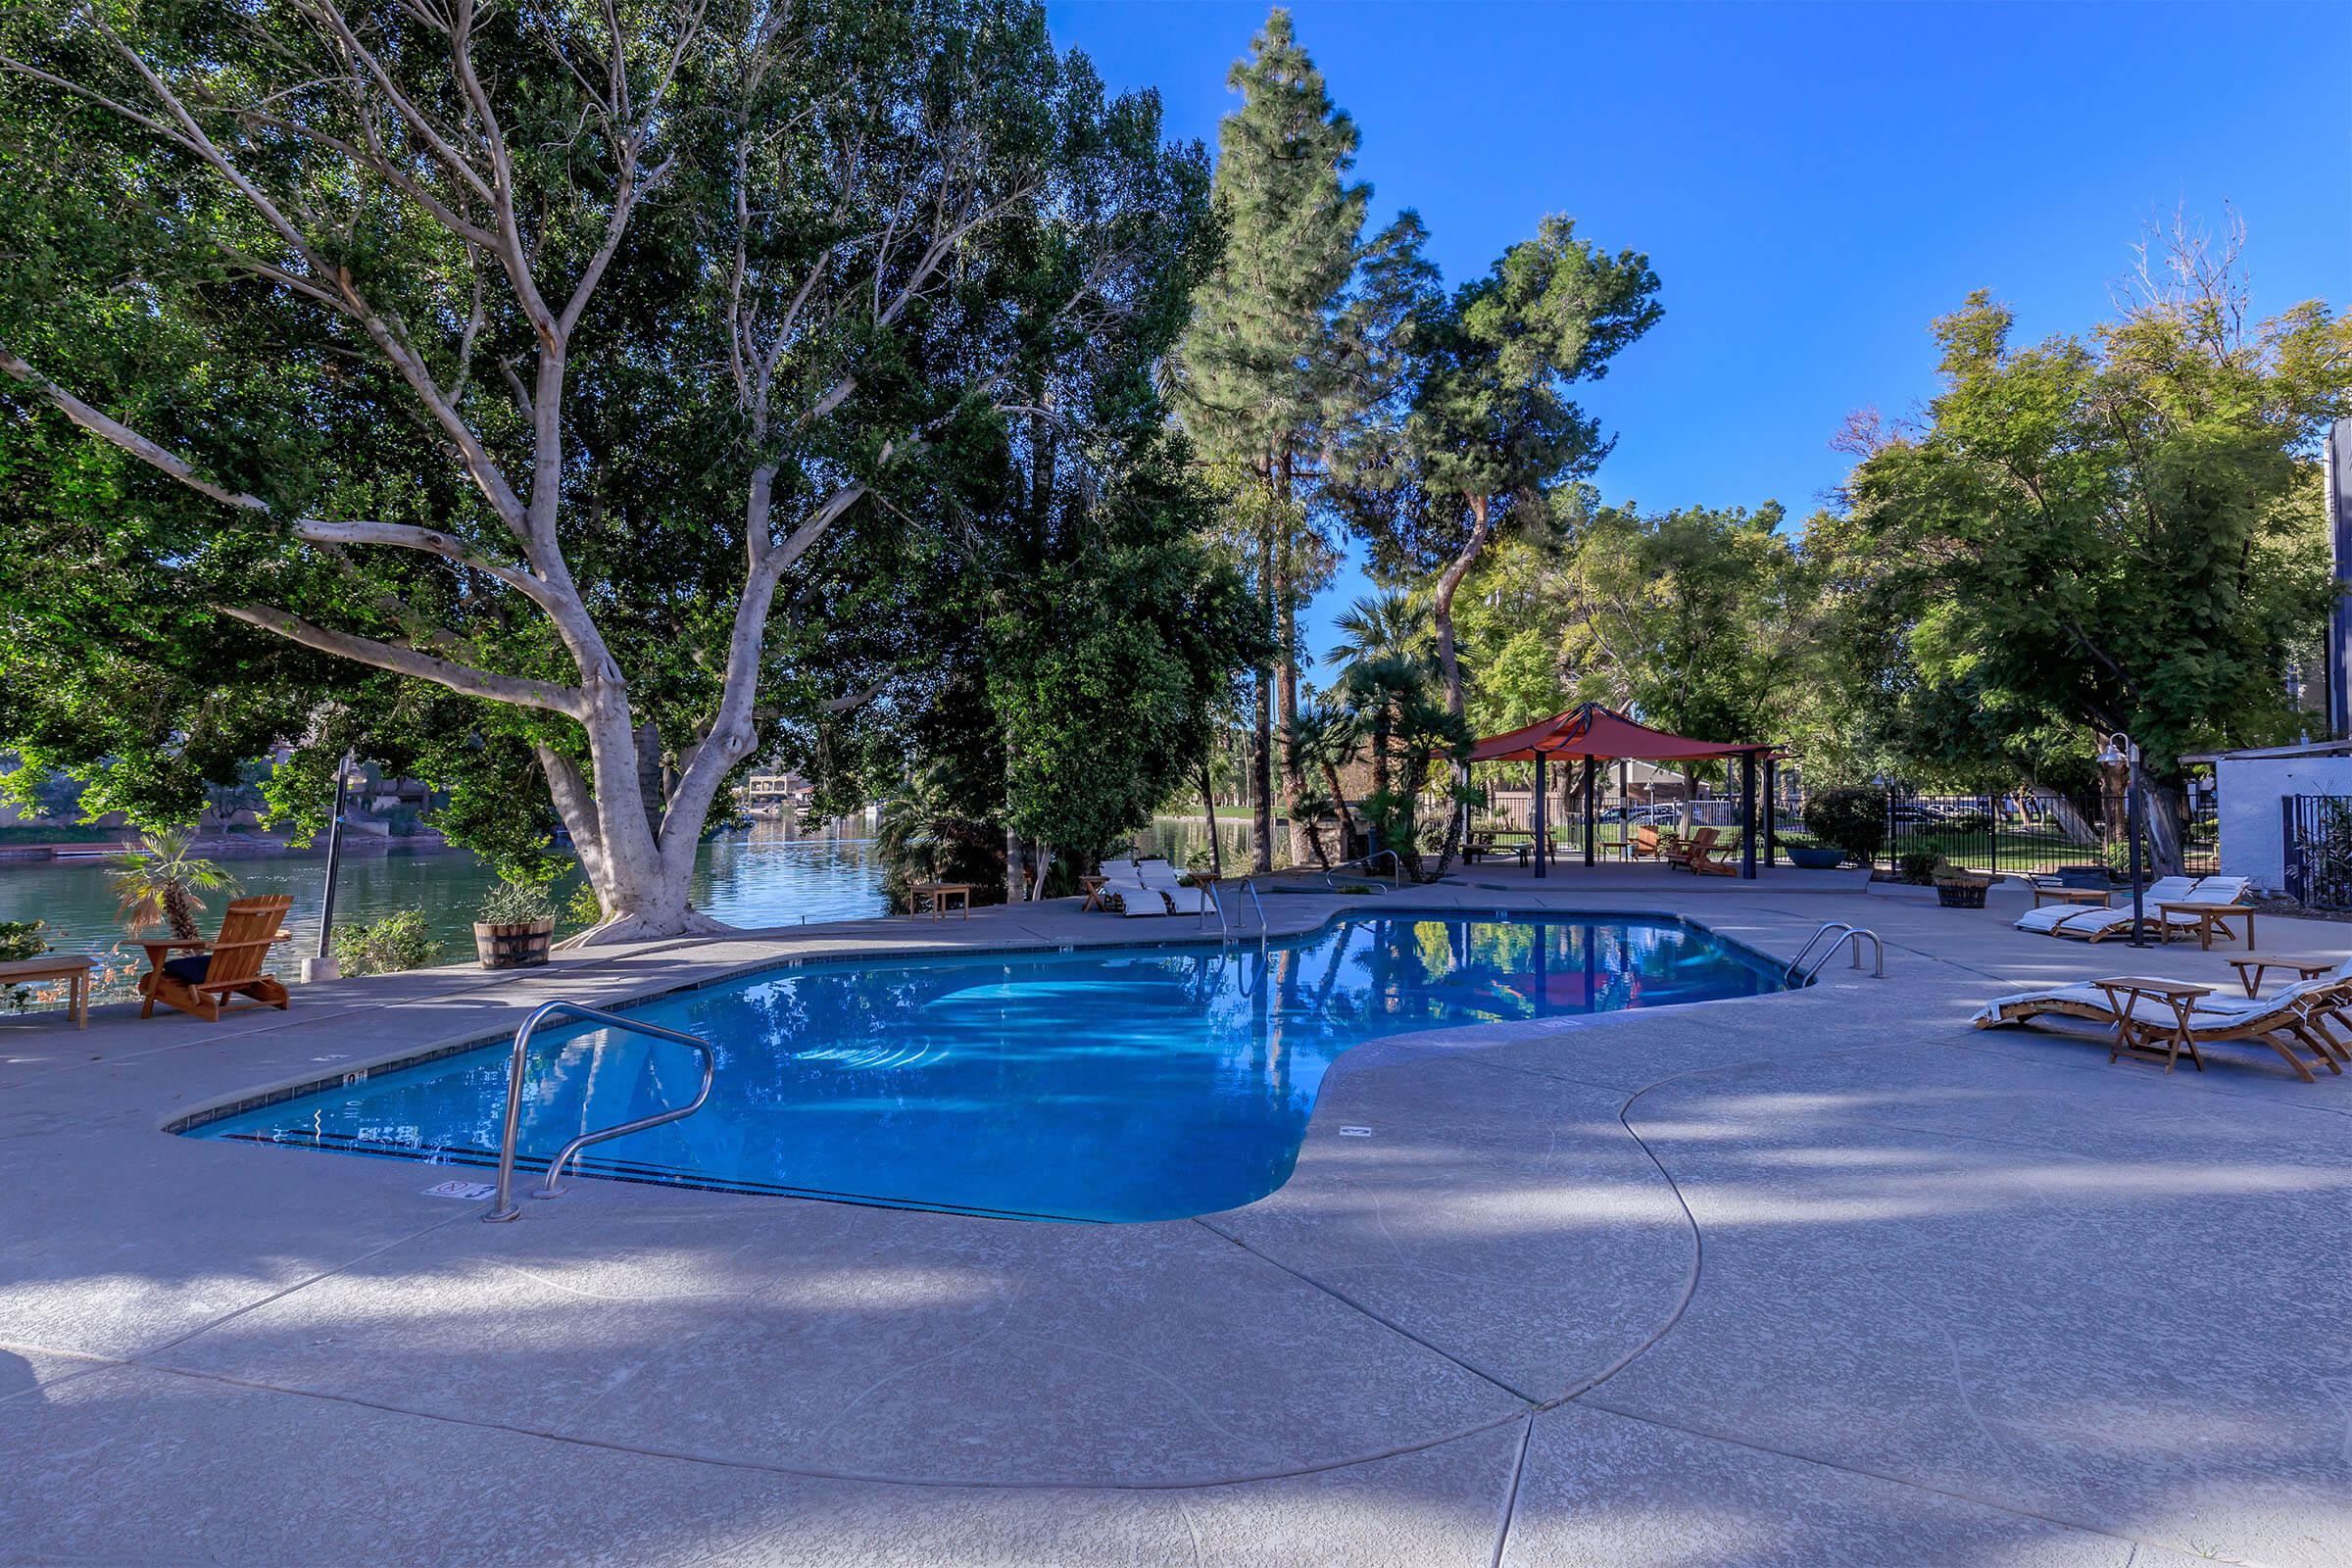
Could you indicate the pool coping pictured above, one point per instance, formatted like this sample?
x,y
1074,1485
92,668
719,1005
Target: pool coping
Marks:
x,y
185,1121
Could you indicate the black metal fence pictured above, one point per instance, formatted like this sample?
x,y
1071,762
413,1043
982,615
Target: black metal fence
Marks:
x,y
2034,832
2317,840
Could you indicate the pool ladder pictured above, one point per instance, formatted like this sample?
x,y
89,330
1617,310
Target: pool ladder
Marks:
x,y
506,1209
1216,901
1840,935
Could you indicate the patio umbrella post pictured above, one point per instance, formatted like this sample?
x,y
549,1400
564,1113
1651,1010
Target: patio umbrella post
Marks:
x,y
1748,815
1537,813
1591,767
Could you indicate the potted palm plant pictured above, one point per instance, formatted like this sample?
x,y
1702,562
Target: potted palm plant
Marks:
x,y
516,925
157,883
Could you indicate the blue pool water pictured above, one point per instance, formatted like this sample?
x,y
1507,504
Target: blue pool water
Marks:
x,y
1138,1084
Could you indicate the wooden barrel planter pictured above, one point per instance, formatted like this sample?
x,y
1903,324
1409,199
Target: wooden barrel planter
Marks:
x,y
517,944
1961,892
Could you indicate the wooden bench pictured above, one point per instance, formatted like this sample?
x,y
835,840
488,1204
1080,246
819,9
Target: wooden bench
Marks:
x,y
939,893
73,968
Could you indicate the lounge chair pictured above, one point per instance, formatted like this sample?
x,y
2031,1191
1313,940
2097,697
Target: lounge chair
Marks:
x,y
2297,1011
2099,920
1159,876
2096,924
201,981
1644,844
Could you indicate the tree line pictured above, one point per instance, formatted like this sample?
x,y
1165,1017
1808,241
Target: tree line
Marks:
x,y
574,406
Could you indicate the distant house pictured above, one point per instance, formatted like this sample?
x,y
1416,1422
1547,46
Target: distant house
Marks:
x,y
768,792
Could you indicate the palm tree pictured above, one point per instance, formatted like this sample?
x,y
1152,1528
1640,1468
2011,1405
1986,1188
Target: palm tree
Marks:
x,y
158,883
1381,625
917,827
1426,730
1321,739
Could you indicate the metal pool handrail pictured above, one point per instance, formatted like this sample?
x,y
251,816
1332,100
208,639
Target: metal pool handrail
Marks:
x,y
1840,935
1396,877
506,1209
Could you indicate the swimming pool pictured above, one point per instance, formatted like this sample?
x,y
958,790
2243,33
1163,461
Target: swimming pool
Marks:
x,y
1129,1084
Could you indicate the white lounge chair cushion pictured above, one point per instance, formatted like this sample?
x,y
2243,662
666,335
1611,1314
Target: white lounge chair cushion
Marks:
x,y
1136,900
2210,1013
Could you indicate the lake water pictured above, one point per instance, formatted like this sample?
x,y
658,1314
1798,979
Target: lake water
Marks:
x,y
761,876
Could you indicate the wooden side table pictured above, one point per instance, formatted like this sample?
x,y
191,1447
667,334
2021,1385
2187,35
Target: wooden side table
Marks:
x,y
74,968
2152,1042
2043,896
2250,969
2211,917
1092,887
939,893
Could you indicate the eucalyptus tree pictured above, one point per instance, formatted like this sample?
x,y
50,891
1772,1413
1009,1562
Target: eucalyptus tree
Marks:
x,y
549,361
1259,378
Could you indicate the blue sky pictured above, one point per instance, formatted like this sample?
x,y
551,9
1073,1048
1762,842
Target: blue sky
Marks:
x,y
1812,183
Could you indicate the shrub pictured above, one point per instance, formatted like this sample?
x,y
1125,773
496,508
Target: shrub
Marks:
x,y
515,904
20,939
388,946
1853,819
584,907
1969,824
1918,865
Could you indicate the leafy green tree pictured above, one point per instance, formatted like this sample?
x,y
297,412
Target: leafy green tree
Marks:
x,y
1261,374
1699,621
2113,534
564,360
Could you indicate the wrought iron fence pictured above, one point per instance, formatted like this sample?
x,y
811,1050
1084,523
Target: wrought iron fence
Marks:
x,y
2038,832
2318,833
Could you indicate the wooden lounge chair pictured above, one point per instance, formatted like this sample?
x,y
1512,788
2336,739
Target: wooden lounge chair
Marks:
x,y
2296,1011
1645,844
202,980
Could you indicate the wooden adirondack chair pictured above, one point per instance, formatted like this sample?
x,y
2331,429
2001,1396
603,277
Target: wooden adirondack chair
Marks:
x,y
201,981
1646,846
1691,853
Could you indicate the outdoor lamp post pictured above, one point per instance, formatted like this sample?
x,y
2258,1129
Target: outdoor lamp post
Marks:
x,y
2120,748
323,966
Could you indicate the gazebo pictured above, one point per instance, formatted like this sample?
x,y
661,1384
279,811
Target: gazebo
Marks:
x,y
1598,734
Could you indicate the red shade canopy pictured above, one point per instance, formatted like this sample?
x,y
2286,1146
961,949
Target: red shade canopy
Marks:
x,y
1591,730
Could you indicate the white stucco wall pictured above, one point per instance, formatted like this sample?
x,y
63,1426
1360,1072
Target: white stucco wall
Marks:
x,y
2252,844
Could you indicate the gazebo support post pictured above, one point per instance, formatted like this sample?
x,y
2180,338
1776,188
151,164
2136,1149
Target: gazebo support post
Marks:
x,y
1772,796
1537,813
1591,767
1748,815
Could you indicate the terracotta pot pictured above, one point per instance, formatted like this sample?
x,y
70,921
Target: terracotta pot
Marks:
x,y
515,945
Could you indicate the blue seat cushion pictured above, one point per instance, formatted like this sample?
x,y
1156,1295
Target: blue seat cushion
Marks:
x,y
189,970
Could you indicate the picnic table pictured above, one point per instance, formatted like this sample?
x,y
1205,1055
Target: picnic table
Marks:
x,y
71,968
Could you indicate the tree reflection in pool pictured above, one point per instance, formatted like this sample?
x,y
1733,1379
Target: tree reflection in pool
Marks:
x,y
1128,1084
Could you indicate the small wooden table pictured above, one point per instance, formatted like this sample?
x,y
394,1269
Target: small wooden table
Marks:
x,y
2211,917
2043,896
1092,887
73,968
2152,1042
939,893
2250,967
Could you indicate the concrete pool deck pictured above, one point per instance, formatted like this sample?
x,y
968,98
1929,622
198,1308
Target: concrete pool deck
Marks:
x,y
1825,1277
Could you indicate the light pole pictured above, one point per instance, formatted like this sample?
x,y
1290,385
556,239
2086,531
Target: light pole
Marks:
x,y
323,966
2120,748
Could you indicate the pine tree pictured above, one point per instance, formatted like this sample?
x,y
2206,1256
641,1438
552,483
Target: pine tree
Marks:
x,y
1260,380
